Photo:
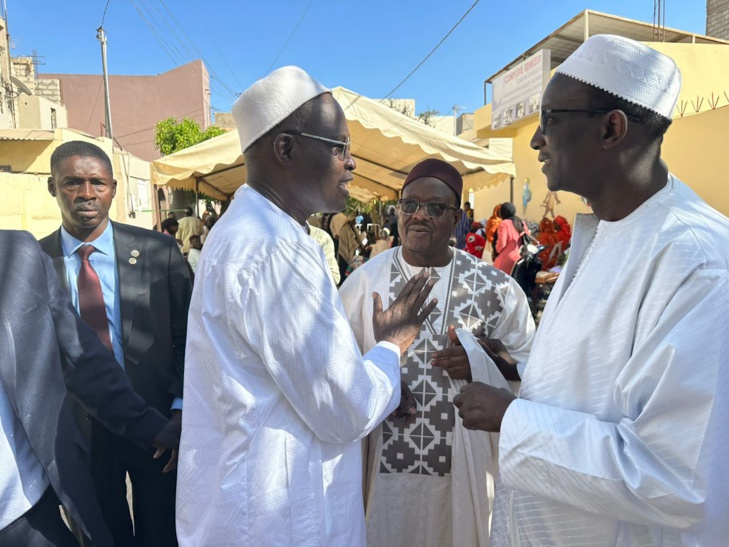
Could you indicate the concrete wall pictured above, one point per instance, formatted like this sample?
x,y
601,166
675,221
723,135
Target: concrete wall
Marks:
x,y
38,113
7,106
137,103
224,120
464,123
447,124
717,18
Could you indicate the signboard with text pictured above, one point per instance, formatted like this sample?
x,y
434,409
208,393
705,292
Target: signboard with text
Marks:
x,y
517,93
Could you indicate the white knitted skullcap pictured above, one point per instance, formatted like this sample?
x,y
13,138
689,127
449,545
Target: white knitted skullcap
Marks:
x,y
271,100
628,69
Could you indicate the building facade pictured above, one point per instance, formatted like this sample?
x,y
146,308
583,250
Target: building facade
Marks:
x,y
717,18
137,103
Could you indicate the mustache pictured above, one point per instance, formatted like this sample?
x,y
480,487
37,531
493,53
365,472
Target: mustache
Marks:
x,y
85,206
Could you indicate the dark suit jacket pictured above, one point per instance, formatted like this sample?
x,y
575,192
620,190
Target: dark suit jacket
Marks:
x,y
47,351
155,295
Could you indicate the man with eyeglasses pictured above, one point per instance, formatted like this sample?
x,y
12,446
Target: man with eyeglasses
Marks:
x,y
420,490
618,436
277,393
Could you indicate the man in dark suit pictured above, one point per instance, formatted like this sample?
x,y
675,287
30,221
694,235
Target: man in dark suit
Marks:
x,y
142,319
44,345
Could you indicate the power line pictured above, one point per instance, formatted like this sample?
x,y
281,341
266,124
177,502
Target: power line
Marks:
x,y
290,36
154,32
104,15
431,52
213,73
170,49
197,110
91,115
169,32
215,43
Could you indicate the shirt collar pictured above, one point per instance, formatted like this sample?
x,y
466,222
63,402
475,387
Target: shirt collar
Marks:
x,y
103,244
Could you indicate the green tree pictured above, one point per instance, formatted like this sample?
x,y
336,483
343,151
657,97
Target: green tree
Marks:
x,y
171,135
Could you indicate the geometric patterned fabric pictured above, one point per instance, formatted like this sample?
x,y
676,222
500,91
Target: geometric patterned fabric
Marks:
x,y
468,296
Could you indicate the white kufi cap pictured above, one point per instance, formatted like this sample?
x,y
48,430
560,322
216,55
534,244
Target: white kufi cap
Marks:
x,y
271,100
628,69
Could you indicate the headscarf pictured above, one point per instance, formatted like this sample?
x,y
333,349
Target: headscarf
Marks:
x,y
493,224
508,212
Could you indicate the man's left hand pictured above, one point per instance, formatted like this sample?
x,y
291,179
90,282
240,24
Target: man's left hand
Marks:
x,y
453,360
169,438
482,406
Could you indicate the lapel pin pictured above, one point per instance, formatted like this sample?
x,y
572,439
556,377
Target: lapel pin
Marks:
x,y
134,253
132,261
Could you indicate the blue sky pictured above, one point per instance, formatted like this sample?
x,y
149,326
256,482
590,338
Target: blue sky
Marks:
x,y
368,46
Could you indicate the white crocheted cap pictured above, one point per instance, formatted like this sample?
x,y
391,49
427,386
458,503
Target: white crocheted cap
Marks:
x,y
271,100
628,69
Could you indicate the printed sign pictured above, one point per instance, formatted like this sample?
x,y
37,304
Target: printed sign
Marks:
x,y
517,93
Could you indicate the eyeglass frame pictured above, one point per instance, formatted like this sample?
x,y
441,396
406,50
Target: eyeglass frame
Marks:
x,y
425,206
547,111
344,145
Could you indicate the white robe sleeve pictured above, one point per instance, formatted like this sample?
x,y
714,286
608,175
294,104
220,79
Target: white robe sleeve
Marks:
x,y
664,459
355,292
302,335
515,327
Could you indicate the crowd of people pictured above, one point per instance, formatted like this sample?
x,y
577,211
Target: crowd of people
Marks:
x,y
406,400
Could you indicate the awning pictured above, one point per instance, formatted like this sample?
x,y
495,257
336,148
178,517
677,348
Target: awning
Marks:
x,y
385,144
27,135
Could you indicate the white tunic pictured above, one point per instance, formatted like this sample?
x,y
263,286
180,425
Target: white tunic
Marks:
x,y
423,488
621,431
276,393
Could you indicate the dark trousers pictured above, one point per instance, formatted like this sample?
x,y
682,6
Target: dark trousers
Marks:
x,y
153,492
40,526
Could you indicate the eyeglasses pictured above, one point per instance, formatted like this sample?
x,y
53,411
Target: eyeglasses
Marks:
x,y
340,147
433,209
544,114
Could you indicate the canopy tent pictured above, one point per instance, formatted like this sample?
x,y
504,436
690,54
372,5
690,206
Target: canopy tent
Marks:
x,y
385,144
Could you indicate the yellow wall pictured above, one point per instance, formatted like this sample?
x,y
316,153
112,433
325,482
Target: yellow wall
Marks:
x,y
527,166
26,203
695,149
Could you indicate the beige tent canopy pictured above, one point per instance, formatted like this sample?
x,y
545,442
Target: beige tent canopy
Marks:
x,y
385,143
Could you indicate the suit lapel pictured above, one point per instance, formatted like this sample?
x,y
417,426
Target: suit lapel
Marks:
x,y
54,249
129,260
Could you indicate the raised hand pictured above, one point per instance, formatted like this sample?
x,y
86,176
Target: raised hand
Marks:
x,y
401,322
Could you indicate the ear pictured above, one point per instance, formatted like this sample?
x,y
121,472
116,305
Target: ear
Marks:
x,y
283,148
615,129
51,187
457,215
113,188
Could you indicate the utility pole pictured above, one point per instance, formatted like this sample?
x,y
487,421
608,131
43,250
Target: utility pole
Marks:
x,y
101,37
